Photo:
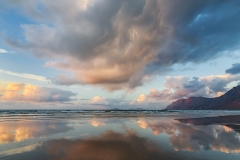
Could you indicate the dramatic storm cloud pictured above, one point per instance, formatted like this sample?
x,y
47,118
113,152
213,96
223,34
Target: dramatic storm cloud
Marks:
x,y
122,44
28,92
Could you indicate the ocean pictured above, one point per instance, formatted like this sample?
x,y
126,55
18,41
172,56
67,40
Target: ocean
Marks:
x,y
119,135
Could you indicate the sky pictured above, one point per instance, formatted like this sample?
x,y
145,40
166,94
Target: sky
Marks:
x,y
105,54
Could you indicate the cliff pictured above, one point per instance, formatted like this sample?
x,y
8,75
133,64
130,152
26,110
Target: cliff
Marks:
x,y
228,101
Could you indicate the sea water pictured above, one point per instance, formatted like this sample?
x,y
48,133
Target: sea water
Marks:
x,y
119,135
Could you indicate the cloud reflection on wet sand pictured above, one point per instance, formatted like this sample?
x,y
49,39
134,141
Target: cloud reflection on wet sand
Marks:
x,y
108,146
194,137
23,130
97,123
107,140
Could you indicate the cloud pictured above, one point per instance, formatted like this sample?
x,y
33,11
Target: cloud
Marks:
x,y
122,44
3,51
141,98
235,69
110,145
179,87
218,83
24,130
193,138
98,100
97,123
142,123
224,139
25,75
31,93
108,103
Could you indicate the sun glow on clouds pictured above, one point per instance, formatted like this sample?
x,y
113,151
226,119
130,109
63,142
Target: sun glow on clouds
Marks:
x,y
142,123
120,45
141,98
98,100
183,87
23,130
97,123
83,4
29,92
220,94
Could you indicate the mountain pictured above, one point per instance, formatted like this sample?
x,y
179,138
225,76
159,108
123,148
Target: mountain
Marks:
x,y
228,101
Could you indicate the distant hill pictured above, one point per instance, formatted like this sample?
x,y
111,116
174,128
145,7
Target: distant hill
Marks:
x,y
140,109
228,101
131,109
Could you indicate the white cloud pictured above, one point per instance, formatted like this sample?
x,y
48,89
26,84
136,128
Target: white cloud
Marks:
x,y
3,51
25,75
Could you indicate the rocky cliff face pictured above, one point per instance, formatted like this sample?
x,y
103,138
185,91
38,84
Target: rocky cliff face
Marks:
x,y
228,101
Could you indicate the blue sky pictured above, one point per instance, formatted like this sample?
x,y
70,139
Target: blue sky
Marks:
x,y
101,54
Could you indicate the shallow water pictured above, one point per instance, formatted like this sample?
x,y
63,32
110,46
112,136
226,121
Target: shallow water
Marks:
x,y
119,135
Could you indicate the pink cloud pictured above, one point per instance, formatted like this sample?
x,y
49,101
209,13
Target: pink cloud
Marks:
x,y
183,87
29,92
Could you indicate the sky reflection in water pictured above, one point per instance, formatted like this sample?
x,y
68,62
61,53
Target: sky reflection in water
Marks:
x,y
106,137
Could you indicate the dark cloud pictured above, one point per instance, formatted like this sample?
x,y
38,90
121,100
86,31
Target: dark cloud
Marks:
x,y
84,99
122,44
235,69
194,85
